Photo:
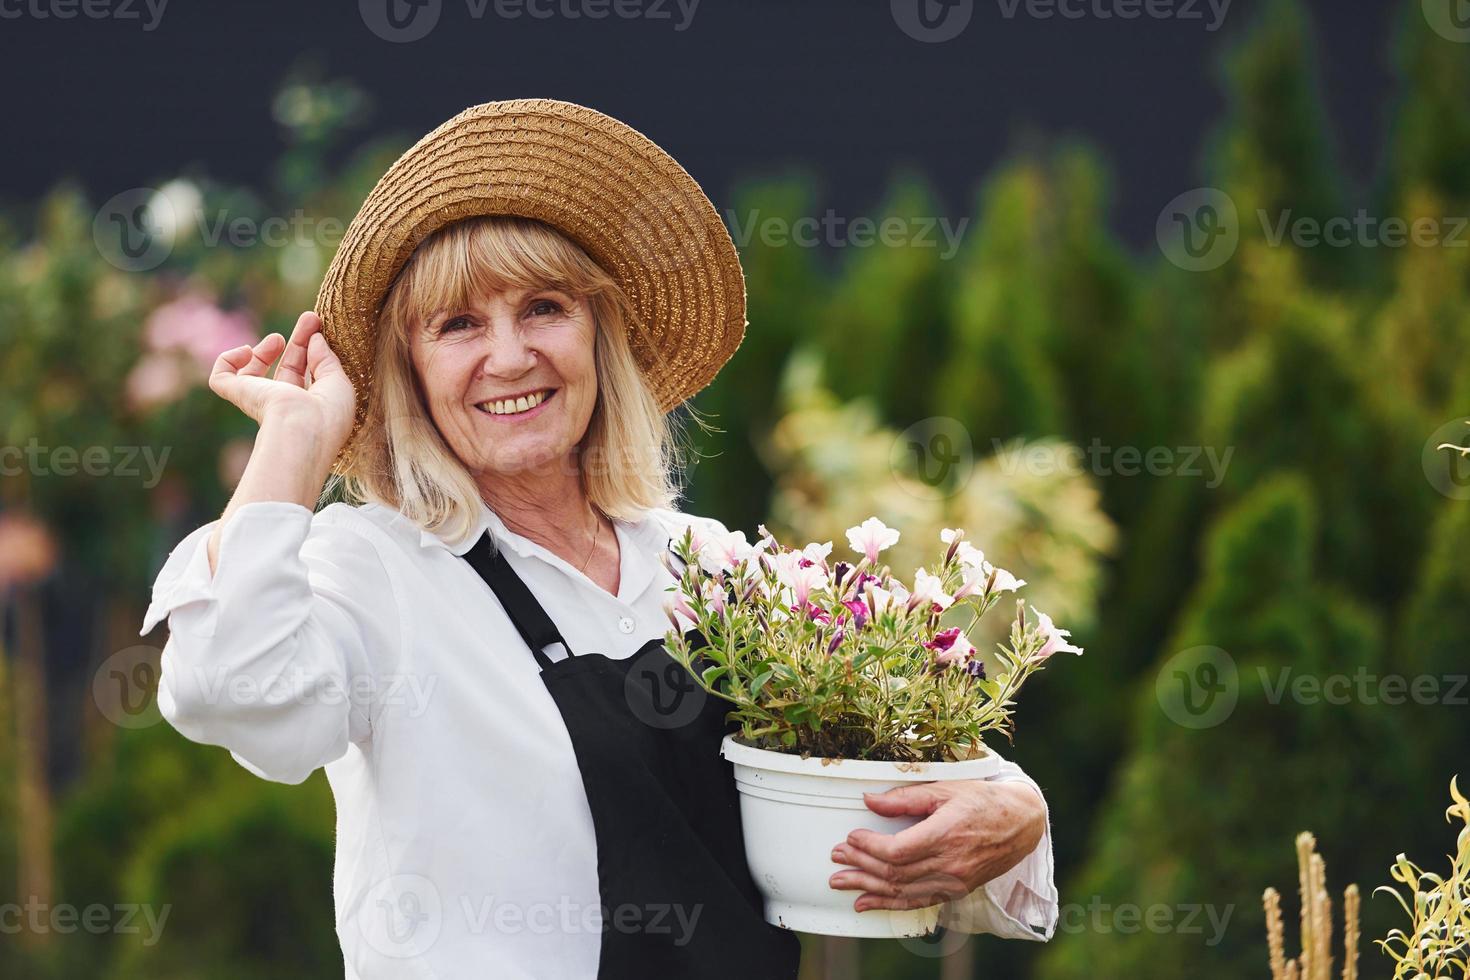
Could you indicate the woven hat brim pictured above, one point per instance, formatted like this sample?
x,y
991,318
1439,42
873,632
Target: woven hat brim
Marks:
x,y
615,192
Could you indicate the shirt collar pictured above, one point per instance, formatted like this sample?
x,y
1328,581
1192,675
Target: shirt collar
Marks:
x,y
646,531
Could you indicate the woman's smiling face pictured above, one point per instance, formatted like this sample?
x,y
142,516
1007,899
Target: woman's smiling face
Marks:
x,y
510,380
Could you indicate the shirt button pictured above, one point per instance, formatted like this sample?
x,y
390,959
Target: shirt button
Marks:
x,y
625,624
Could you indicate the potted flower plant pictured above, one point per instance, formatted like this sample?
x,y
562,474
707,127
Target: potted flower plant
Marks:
x,y
842,681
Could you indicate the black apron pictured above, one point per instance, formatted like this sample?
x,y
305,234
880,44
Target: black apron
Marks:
x,y
664,805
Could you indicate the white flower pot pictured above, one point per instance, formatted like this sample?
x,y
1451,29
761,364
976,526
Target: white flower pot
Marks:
x,y
795,810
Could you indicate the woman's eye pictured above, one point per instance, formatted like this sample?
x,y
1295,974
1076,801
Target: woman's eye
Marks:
x,y
546,307
454,323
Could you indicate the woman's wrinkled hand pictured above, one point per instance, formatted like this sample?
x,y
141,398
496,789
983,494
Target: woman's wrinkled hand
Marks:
x,y
310,384
973,831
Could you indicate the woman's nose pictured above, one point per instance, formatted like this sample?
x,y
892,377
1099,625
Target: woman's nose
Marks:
x,y
506,352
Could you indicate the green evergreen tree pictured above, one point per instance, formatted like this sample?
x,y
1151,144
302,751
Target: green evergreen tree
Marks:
x,y
786,294
1204,816
998,380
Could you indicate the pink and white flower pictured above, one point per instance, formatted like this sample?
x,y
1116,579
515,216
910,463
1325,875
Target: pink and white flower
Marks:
x,y
951,646
1004,580
871,537
677,608
722,552
796,572
713,594
929,589
817,553
1054,640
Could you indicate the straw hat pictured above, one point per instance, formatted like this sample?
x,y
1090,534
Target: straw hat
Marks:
x,y
634,210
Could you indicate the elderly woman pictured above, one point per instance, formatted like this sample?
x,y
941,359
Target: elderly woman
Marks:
x,y
523,298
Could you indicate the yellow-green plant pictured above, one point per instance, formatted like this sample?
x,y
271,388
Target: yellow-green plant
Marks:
x,y
1437,947
1315,961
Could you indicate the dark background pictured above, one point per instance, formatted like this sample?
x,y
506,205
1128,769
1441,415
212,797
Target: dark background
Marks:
x,y
750,89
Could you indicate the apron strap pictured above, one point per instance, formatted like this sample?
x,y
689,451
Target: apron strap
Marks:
x,y
529,618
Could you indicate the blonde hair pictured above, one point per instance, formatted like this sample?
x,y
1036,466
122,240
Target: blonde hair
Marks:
x,y
629,456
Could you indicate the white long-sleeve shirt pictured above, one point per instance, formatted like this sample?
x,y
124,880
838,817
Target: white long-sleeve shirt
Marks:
x,y
352,640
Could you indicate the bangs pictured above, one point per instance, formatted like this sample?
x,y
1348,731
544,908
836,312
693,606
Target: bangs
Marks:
x,y
481,256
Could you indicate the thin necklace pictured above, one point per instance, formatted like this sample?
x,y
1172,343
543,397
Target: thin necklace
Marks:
x,y
595,535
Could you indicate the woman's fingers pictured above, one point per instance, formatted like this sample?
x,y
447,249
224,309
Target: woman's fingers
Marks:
x,y
884,893
319,356
224,377
263,355
863,861
293,362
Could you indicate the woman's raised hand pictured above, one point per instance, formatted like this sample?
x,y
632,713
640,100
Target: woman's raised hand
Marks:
x,y
309,386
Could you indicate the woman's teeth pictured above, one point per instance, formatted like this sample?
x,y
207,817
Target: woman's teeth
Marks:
x,y
514,406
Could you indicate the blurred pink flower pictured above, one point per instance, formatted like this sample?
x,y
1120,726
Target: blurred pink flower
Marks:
x,y
192,323
156,380
27,550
